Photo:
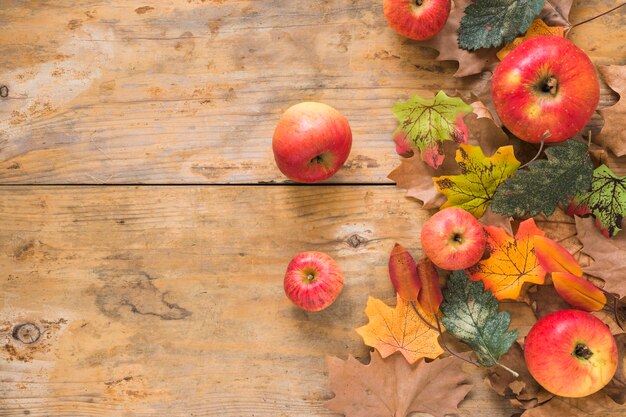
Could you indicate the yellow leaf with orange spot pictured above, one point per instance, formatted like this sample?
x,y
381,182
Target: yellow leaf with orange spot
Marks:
x,y
537,27
400,329
511,262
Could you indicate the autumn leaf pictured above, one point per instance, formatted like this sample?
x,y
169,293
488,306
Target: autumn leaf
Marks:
x,y
545,300
609,255
555,258
489,23
400,329
391,387
556,12
594,405
471,314
613,133
578,292
511,262
446,42
545,184
403,273
430,297
480,176
606,201
429,123
522,390
537,27
616,389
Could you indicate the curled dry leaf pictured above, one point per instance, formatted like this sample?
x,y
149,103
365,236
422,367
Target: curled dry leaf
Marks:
x,y
403,273
430,297
392,387
556,12
613,134
400,329
609,255
545,300
594,405
537,27
447,43
523,391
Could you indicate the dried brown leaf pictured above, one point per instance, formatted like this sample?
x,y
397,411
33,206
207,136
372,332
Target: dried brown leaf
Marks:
x,y
595,405
556,12
392,387
447,43
613,133
609,255
616,389
415,176
523,391
545,300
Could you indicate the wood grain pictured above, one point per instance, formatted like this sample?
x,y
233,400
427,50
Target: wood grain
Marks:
x,y
190,91
156,301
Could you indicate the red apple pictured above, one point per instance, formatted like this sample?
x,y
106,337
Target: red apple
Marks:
x,y
313,281
417,19
453,239
546,84
571,353
311,142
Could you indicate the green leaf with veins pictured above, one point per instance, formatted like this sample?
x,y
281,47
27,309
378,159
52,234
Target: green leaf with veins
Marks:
x,y
429,123
491,23
545,184
606,200
471,314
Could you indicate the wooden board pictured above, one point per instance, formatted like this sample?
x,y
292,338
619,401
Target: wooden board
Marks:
x,y
190,91
156,301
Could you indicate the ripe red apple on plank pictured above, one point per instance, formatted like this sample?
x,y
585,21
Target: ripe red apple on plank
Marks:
x,y
311,142
417,19
545,85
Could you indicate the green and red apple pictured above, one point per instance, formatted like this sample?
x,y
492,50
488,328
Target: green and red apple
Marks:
x,y
453,239
547,88
571,353
311,142
417,19
313,280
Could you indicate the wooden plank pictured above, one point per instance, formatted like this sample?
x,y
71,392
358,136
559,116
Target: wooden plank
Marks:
x,y
156,301
189,92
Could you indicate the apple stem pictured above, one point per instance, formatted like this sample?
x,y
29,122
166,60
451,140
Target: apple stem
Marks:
x,y
515,374
545,136
418,3
593,18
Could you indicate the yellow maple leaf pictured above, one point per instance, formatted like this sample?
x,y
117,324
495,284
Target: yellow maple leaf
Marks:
x,y
400,329
511,262
473,189
537,27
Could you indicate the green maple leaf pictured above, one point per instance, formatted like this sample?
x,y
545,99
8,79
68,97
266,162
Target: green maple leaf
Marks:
x,y
428,123
480,176
546,183
606,200
471,314
490,23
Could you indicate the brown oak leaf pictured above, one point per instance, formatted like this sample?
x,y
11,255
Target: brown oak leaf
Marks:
x,y
391,387
609,255
556,12
523,391
594,405
545,300
613,133
447,43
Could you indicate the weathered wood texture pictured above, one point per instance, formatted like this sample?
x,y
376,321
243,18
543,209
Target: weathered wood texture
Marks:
x,y
190,91
156,301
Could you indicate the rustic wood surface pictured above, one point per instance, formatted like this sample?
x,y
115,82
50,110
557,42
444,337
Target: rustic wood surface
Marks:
x,y
167,300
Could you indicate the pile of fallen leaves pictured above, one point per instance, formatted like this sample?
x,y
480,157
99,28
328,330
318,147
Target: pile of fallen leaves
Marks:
x,y
454,153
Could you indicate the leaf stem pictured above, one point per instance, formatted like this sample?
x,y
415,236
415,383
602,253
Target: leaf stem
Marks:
x,y
593,18
450,351
545,136
426,322
515,374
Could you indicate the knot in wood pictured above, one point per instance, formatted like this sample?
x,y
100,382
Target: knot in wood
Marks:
x,y
355,240
26,333
4,91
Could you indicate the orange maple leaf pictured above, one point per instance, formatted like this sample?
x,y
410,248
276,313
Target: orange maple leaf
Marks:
x,y
400,329
511,261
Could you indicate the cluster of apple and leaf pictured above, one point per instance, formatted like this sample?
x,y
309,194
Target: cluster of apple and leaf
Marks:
x,y
516,153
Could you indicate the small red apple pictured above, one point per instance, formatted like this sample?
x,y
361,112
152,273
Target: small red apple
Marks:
x,y
311,142
417,19
571,353
313,281
453,239
546,84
